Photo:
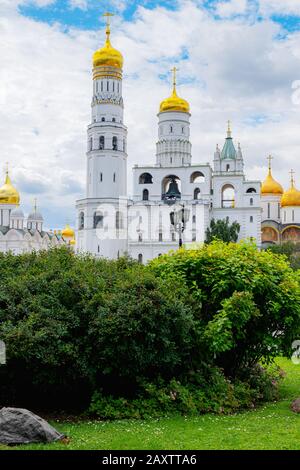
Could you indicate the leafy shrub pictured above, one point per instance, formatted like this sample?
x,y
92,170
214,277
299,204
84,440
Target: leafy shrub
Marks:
x,y
247,302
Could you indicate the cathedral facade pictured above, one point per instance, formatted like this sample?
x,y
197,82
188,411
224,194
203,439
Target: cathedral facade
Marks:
x,y
110,224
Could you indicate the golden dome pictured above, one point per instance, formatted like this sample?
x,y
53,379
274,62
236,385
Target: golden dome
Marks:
x,y
291,197
8,193
174,102
271,186
73,242
68,232
107,56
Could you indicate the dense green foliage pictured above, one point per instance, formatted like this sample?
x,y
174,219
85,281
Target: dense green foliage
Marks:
x,y
290,250
268,427
182,334
247,302
222,230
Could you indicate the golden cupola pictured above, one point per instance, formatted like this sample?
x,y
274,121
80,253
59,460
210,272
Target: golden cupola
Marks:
x,y
291,197
8,193
68,232
108,56
174,102
271,186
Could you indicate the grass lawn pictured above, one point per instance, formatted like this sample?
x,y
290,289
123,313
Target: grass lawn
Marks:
x,y
273,426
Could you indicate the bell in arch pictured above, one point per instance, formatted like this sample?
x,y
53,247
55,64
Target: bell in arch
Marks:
x,y
173,191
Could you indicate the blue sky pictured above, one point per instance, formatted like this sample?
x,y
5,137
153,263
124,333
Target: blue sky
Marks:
x,y
87,17
237,60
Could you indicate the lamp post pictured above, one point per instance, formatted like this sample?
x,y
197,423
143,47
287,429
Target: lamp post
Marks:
x,y
179,220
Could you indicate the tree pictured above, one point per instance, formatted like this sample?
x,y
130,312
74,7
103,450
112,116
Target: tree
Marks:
x,y
222,230
290,250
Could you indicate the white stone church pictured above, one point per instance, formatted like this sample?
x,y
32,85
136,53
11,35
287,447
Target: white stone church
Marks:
x,y
109,223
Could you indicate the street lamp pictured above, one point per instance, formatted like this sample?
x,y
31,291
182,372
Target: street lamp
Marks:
x,y
179,220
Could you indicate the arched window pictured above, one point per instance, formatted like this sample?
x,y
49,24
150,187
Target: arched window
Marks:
x,y
81,220
107,86
101,177
227,167
113,86
101,85
197,193
228,196
113,119
251,201
115,143
98,220
251,190
251,219
171,188
140,237
145,178
140,258
197,177
119,220
194,219
103,119
101,142
91,144
145,195
114,177
160,237
171,129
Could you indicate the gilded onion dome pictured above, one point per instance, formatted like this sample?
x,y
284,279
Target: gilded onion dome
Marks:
x,y
8,193
68,232
174,102
271,186
291,197
108,56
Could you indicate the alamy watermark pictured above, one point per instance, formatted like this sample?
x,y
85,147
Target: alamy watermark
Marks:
x,y
296,352
2,352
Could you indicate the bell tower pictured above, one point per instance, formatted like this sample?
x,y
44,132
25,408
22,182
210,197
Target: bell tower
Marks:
x,y
106,170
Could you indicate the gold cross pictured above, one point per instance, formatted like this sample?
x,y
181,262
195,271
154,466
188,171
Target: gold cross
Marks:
x,y
270,158
292,176
108,16
229,129
7,168
35,204
174,70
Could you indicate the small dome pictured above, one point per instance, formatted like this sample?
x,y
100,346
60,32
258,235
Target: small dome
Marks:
x,y
174,103
270,186
8,193
35,217
68,232
291,197
107,56
17,213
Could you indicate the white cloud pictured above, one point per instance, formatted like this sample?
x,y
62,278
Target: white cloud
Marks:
x,y
228,8
284,7
237,70
82,4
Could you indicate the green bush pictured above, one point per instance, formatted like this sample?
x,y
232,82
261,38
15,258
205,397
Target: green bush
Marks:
x,y
193,323
247,302
72,324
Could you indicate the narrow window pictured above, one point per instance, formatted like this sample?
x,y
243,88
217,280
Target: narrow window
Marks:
x,y
97,87
115,143
101,142
91,144
251,201
101,177
113,119
285,216
173,237
107,86
194,238
160,237
194,219
278,211
269,210
145,195
118,87
251,219
98,248
140,237
113,86
103,119
293,215
171,129
182,129
227,168
101,85
114,177
140,258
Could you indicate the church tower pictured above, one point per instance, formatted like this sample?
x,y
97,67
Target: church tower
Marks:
x,y
102,216
173,148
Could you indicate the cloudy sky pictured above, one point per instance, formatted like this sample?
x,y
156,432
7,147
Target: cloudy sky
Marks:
x,y
238,60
